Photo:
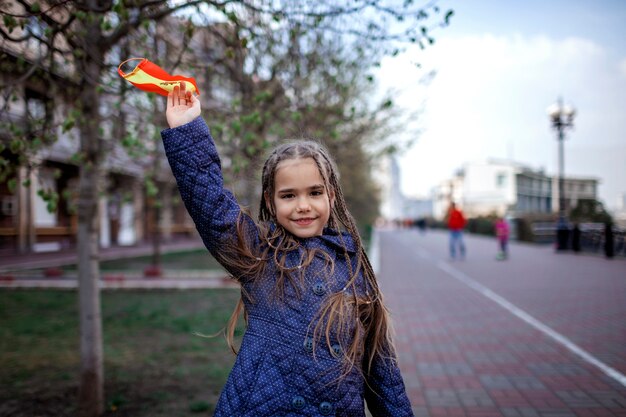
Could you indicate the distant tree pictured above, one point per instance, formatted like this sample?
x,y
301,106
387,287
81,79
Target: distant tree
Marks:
x,y
588,210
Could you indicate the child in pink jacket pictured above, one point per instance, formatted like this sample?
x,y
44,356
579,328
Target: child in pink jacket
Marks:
x,y
502,233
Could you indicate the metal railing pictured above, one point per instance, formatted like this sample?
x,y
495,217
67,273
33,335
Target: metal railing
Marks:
x,y
592,237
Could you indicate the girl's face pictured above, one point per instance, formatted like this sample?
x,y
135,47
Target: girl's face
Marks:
x,y
301,200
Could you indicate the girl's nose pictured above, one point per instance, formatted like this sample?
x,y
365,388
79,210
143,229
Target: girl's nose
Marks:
x,y
303,206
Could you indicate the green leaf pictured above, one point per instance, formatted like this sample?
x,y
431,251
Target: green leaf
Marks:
x,y
9,22
218,128
252,118
77,158
249,137
262,96
16,145
106,26
12,184
151,188
232,17
68,124
35,7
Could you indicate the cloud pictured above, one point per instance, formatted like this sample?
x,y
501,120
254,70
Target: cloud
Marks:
x,y
622,67
489,98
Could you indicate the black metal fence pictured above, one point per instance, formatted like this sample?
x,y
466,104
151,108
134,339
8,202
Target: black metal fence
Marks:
x,y
590,237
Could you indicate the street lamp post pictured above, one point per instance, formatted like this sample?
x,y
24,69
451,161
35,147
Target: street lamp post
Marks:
x,y
562,117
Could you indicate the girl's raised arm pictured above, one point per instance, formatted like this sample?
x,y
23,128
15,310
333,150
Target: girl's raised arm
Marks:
x,y
195,163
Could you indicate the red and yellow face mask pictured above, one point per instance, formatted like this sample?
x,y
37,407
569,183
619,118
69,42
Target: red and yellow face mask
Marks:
x,y
151,78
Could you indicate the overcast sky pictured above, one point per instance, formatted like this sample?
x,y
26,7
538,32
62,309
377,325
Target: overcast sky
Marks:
x,y
499,65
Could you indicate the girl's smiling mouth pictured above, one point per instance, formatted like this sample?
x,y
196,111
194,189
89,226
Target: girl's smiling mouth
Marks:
x,y
305,221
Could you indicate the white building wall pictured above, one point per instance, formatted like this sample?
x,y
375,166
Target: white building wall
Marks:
x,y
488,188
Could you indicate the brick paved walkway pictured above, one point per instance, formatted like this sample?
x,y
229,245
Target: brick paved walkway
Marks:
x,y
463,354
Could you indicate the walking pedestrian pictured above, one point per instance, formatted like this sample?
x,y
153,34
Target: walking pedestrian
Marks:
x,y
318,339
502,234
456,224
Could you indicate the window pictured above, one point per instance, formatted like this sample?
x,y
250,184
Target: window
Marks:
x,y
38,107
501,180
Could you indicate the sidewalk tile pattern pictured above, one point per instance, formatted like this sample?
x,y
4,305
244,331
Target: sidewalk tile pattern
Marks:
x,y
461,354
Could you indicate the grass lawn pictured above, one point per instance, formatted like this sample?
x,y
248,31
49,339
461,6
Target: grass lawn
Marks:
x,y
154,364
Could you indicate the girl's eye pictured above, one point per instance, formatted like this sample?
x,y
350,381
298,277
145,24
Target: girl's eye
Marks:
x,y
317,193
285,196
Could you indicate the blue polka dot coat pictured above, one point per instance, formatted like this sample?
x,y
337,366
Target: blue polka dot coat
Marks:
x,y
279,371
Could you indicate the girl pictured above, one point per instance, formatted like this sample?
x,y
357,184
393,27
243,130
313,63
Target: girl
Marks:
x,y
317,338
502,233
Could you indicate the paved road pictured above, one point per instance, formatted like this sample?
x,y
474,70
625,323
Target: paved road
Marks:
x,y
542,334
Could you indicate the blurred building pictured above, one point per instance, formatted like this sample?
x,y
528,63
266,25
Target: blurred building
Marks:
x,y
496,187
395,204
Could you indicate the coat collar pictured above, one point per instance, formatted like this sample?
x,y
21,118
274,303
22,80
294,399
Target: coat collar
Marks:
x,y
335,239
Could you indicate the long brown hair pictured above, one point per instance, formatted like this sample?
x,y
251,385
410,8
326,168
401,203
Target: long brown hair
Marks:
x,y
359,322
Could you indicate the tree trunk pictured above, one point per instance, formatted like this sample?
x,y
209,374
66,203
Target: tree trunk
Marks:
x,y
91,391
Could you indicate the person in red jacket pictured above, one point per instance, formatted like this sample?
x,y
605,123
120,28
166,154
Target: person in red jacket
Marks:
x,y
456,223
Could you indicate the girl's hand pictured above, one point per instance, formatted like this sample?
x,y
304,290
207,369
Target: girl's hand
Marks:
x,y
182,106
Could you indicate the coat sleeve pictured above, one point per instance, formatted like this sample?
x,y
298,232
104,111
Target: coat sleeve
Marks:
x,y
385,393
196,165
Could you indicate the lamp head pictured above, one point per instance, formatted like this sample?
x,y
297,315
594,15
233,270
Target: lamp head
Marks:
x,y
554,111
569,112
